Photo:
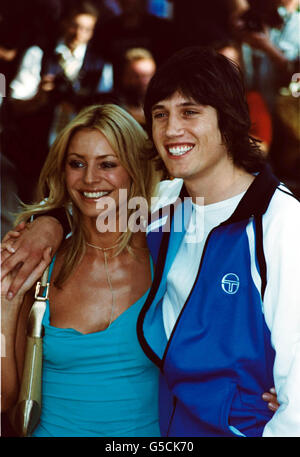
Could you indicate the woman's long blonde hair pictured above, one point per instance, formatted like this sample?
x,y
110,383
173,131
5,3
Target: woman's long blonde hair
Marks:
x,y
132,146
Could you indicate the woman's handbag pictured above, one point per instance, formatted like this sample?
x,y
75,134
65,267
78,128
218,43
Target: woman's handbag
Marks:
x,y
28,408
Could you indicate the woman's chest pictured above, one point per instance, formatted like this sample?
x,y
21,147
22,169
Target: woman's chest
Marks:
x,y
95,295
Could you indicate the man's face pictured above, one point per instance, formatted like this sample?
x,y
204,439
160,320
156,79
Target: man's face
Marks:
x,y
137,75
79,30
131,6
187,137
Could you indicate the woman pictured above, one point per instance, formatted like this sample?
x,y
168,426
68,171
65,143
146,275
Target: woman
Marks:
x,y
96,379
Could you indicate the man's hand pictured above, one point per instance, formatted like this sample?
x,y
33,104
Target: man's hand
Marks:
x,y
33,277
41,98
23,249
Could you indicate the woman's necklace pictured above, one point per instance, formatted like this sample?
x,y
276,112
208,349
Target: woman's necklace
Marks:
x,y
104,250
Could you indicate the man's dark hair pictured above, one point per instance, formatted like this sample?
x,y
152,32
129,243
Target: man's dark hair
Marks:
x,y
209,78
82,7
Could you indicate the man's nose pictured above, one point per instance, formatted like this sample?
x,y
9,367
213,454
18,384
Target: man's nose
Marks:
x,y
79,35
174,126
80,32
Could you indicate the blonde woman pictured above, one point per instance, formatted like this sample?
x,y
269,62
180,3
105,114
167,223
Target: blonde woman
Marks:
x,y
96,379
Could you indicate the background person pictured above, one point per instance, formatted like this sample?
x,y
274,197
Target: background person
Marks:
x,y
51,86
135,27
261,120
135,70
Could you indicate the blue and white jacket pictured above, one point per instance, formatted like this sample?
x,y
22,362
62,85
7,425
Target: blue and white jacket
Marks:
x,y
239,330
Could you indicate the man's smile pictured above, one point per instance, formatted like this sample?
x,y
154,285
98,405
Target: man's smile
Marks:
x,y
178,149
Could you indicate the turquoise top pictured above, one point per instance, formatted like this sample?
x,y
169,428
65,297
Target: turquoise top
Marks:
x,y
98,384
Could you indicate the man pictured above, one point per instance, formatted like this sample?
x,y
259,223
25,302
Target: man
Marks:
x,y
222,317
218,332
136,69
269,32
49,88
135,27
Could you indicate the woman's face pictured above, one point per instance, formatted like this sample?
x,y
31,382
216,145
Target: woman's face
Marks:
x,y
93,172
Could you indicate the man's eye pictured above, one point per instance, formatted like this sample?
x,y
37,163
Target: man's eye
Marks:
x,y
158,115
76,164
190,112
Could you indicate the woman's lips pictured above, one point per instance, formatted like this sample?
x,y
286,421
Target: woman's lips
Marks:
x,y
93,196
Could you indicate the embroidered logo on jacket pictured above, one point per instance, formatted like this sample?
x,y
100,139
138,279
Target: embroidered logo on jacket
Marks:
x,y
230,283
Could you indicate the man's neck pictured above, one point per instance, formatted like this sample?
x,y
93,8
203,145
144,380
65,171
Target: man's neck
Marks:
x,y
73,46
132,20
215,190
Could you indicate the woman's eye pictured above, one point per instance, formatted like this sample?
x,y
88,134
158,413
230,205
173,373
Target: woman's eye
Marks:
x,y
76,164
103,165
108,165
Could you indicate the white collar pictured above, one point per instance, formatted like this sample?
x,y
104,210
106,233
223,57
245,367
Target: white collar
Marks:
x,y
284,13
78,53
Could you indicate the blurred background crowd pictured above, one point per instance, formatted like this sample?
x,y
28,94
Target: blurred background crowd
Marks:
x,y
58,56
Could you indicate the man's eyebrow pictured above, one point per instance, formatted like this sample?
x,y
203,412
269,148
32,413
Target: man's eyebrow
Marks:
x,y
183,104
157,106
190,103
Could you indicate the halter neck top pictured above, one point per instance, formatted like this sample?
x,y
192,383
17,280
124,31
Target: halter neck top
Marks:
x,y
98,384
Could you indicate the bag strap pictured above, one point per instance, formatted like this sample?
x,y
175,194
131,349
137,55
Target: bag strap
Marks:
x,y
36,314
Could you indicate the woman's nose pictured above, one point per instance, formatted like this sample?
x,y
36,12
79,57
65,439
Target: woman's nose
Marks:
x,y
92,174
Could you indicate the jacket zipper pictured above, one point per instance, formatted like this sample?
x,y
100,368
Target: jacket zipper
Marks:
x,y
172,415
178,319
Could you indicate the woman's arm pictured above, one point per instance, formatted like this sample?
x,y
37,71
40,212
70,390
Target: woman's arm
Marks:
x,y
13,325
25,251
